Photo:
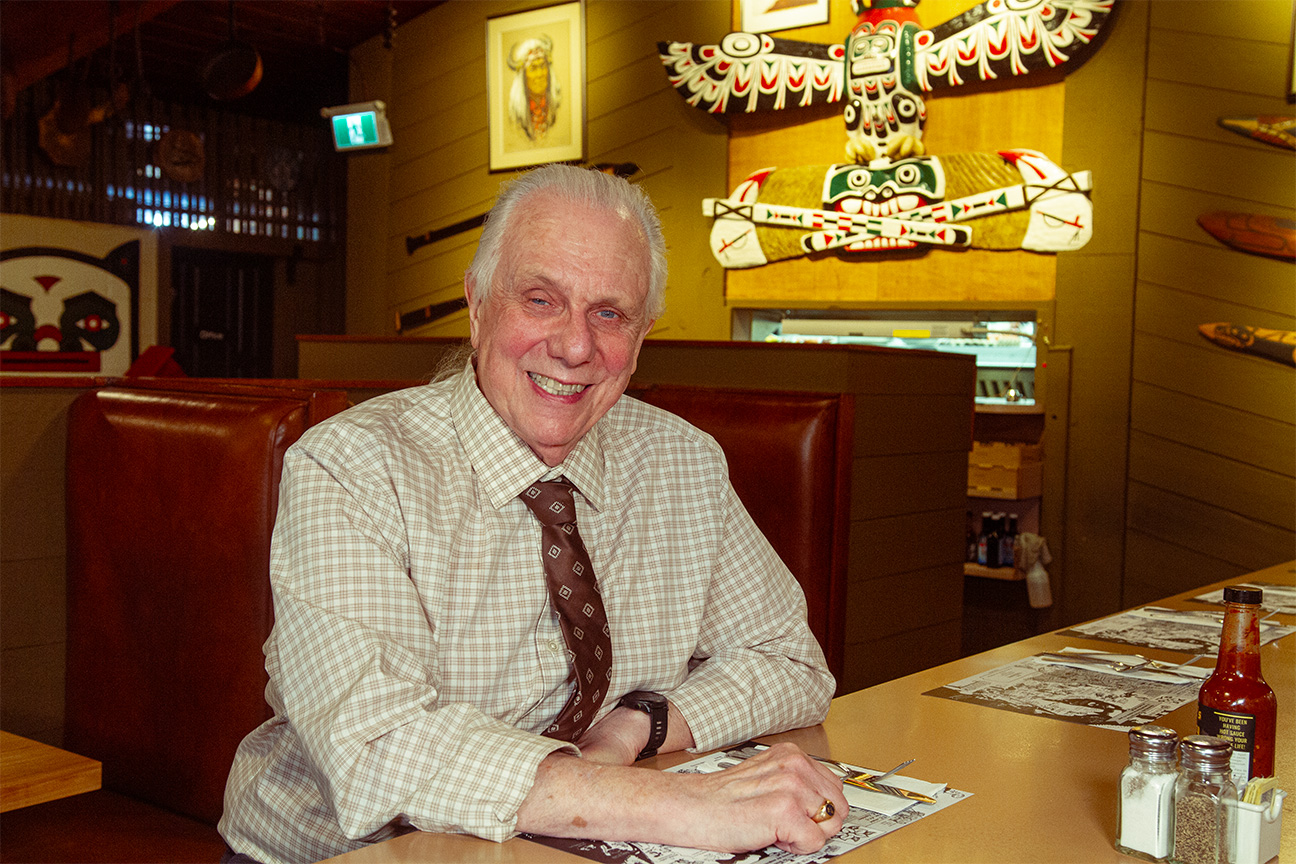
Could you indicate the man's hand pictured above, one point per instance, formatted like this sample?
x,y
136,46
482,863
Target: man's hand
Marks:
x,y
769,799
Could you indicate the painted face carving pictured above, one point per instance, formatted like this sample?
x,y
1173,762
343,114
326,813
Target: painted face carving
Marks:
x,y
65,312
884,189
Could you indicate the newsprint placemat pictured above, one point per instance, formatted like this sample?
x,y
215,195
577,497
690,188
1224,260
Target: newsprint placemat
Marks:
x,y
1037,686
859,827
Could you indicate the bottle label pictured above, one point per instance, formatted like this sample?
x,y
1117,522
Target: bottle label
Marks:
x,y
1237,729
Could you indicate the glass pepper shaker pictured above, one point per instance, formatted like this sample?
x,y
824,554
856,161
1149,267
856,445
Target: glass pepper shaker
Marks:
x,y
1145,820
1205,801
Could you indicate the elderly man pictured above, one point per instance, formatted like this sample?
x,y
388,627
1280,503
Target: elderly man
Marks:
x,y
453,651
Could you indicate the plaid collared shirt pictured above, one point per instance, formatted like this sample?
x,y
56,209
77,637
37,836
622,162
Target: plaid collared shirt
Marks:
x,y
415,656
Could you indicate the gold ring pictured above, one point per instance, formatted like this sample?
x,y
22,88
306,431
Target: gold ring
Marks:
x,y
825,812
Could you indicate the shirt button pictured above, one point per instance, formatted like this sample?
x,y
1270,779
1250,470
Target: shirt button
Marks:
x,y
552,646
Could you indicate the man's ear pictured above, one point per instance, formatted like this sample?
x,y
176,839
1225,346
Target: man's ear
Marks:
x,y
472,308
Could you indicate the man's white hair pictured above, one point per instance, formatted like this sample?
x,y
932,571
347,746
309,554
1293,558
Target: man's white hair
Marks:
x,y
586,186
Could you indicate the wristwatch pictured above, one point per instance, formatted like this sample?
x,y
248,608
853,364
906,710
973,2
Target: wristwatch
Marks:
x,y
654,705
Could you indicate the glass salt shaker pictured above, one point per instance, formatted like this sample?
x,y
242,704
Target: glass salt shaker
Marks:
x,y
1205,800
1145,820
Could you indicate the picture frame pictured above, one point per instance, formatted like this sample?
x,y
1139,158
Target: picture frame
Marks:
x,y
764,16
535,86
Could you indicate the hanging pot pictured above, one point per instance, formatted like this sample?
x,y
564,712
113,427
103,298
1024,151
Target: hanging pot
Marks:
x,y
234,70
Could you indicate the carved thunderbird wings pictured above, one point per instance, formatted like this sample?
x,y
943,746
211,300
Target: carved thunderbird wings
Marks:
x,y
886,64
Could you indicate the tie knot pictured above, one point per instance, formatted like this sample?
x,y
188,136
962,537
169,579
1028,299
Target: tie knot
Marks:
x,y
551,501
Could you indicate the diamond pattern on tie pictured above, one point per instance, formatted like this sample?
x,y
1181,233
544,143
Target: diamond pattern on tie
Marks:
x,y
565,556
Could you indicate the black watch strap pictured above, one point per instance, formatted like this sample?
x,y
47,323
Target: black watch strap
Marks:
x,y
654,705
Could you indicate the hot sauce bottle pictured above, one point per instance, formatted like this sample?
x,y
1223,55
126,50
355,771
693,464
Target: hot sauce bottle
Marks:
x,y
1235,703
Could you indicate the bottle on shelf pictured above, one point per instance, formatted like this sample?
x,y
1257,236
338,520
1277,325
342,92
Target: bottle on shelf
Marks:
x,y
982,543
1235,703
1007,541
993,535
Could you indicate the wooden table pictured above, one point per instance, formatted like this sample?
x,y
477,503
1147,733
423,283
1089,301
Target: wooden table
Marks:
x,y
33,773
1043,789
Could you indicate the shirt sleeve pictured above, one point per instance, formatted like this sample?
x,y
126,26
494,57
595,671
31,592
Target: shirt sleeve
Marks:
x,y
758,669
353,661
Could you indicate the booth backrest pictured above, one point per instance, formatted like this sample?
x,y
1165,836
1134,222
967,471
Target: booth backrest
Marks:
x,y
789,457
172,488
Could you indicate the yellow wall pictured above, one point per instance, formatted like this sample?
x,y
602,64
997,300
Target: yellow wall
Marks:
x,y
1127,386
436,172
1212,446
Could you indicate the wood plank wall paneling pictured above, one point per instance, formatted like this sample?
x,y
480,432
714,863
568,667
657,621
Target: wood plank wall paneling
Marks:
x,y
1212,449
33,596
1087,414
437,168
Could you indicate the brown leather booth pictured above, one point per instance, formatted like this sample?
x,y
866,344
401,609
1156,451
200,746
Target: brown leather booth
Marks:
x,y
789,459
172,489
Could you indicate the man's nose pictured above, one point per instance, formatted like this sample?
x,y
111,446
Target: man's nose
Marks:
x,y
573,340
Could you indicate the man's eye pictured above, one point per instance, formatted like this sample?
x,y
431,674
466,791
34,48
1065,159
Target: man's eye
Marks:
x,y
608,315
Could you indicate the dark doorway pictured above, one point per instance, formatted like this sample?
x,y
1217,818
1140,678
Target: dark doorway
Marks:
x,y
222,313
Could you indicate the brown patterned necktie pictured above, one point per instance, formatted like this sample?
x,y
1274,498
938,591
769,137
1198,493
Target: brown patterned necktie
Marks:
x,y
575,595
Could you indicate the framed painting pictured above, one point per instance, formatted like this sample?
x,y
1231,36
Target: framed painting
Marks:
x,y
535,86
79,299
764,16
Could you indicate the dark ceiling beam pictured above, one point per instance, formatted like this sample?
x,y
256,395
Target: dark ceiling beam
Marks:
x,y
86,22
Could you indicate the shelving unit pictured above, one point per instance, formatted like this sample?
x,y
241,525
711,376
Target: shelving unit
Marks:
x,y
1006,462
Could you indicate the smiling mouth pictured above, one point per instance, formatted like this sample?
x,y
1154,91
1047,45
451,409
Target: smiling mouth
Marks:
x,y
555,388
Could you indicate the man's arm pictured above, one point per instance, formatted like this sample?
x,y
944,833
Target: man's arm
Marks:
x,y
757,669
768,799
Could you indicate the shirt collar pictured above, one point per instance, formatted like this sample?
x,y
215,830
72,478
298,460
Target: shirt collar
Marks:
x,y
504,464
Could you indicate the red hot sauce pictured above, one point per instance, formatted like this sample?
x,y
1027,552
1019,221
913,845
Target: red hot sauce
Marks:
x,y
1235,703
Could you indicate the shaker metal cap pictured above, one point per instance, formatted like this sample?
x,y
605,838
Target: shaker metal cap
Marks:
x,y
1205,751
1238,594
1155,742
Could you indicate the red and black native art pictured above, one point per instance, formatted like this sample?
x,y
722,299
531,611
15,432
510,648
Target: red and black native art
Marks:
x,y
65,312
886,65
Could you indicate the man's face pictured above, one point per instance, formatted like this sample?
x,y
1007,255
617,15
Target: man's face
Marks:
x,y
558,336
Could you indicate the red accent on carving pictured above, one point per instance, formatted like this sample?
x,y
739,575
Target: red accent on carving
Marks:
x,y
723,66
48,331
47,282
49,361
871,18
1017,158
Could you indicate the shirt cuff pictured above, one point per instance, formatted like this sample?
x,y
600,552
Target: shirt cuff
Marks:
x,y
491,771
